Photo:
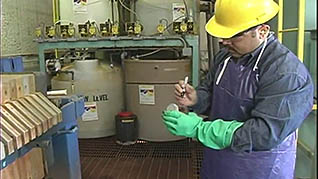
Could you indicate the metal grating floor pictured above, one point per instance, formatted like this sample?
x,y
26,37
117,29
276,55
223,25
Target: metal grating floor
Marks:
x,y
103,158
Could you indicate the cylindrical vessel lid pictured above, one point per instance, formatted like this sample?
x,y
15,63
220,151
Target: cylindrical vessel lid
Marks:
x,y
86,65
125,114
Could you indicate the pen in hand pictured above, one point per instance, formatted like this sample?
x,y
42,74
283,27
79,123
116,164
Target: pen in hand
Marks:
x,y
184,86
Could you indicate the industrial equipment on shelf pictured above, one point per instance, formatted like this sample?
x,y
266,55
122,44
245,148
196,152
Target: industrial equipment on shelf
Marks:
x,y
188,44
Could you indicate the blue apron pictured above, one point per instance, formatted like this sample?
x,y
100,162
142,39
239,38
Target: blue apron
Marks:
x,y
233,95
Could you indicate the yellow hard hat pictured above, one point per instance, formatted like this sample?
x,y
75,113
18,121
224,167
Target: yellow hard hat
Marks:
x,y
234,16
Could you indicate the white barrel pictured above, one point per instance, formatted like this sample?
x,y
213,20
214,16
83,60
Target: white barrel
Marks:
x,y
102,86
150,12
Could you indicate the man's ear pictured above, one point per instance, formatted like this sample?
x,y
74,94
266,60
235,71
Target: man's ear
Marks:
x,y
263,31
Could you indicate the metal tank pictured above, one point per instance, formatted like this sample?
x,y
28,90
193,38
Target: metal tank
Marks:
x,y
149,90
150,12
98,11
102,86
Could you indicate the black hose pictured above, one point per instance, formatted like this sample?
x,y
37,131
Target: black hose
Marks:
x,y
112,1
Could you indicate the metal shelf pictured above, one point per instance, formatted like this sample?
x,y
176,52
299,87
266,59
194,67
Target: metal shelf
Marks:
x,y
189,41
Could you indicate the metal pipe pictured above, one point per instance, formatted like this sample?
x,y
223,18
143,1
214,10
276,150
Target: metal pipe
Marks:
x,y
62,92
289,30
123,16
126,12
196,14
55,18
19,54
216,45
184,43
112,4
212,42
209,41
280,21
181,39
120,18
135,15
54,11
301,29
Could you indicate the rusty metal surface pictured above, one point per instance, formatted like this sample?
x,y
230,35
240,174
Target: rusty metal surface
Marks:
x,y
22,119
103,158
16,125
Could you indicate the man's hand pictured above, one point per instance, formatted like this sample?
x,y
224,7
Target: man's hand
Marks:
x,y
190,96
181,124
215,134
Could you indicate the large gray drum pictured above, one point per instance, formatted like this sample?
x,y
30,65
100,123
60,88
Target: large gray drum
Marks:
x,y
149,90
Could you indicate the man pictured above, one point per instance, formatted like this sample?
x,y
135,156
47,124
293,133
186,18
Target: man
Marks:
x,y
256,94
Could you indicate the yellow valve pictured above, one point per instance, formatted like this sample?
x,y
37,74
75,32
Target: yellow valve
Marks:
x,y
161,28
38,32
71,31
51,32
183,27
137,28
115,29
92,30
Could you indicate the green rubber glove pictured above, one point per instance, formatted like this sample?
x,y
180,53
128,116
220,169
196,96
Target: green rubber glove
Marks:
x,y
181,124
217,134
214,134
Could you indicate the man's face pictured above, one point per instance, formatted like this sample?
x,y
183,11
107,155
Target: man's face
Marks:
x,y
245,42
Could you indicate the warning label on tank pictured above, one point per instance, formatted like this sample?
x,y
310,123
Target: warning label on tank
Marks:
x,y
146,94
90,113
179,12
80,6
96,98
